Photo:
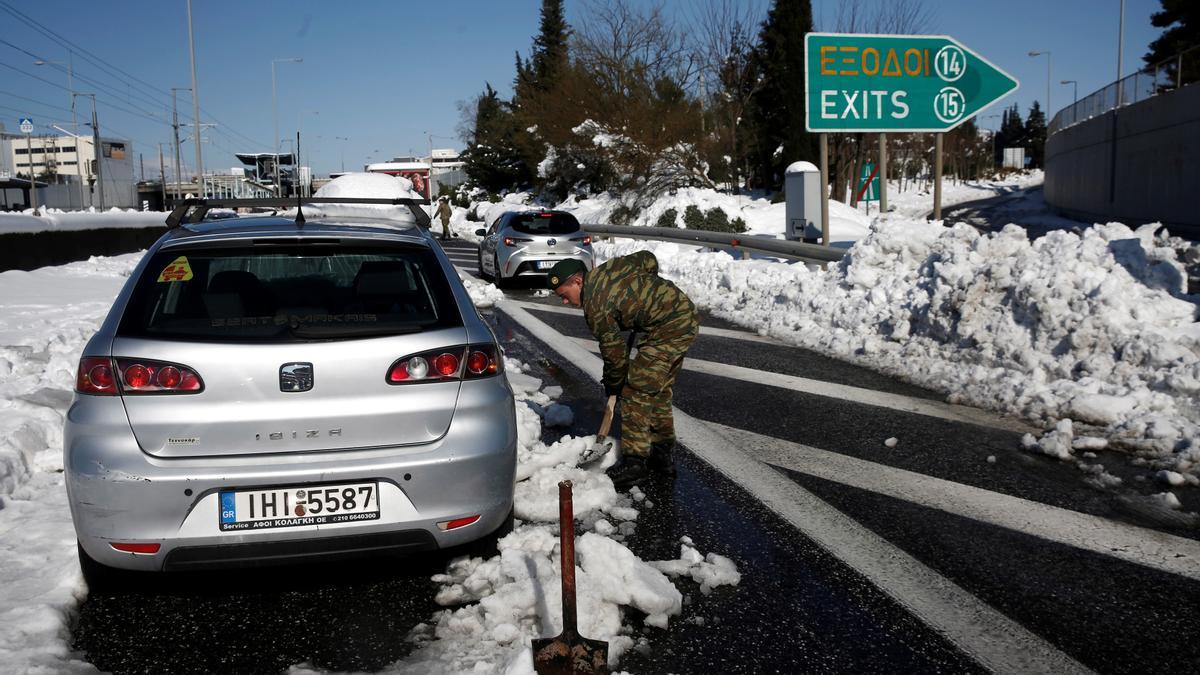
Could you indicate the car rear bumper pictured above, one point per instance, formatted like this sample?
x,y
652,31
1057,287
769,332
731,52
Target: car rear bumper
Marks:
x,y
524,263
119,494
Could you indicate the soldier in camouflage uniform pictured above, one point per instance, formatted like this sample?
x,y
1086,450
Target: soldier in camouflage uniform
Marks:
x,y
626,294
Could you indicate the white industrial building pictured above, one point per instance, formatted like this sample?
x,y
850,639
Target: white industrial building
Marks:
x,y
67,164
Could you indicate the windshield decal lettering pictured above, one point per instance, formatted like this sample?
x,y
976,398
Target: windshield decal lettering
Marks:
x,y
178,270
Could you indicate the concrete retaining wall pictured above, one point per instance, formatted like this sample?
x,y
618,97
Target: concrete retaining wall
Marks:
x,y
1152,174
31,250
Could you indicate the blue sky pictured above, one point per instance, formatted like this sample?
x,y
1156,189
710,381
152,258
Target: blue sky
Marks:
x,y
385,74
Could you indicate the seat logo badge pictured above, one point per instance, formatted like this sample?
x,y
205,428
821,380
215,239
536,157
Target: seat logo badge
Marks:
x,y
553,242
295,377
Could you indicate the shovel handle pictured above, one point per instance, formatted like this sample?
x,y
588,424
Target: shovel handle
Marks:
x,y
566,540
606,423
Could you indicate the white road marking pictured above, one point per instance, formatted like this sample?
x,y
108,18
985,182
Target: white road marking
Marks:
x,y
1157,550
995,641
880,399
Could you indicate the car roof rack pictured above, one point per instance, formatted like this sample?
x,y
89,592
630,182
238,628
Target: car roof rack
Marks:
x,y
194,210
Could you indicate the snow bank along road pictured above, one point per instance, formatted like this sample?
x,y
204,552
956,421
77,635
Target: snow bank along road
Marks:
x,y
1012,558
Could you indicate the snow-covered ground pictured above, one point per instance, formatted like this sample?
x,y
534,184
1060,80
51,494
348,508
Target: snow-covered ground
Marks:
x,y
916,200
494,607
56,220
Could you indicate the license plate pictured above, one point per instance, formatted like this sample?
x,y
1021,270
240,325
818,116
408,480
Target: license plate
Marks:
x,y
296,506
545,264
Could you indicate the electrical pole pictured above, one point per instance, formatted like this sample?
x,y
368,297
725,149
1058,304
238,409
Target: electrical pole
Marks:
x,y
32,175
162,176
195,102
175,129
98,152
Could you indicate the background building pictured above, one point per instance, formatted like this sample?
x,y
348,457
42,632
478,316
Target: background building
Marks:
x,y
67,164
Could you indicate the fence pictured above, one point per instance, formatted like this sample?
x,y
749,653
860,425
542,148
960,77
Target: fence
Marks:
x,y
1168,75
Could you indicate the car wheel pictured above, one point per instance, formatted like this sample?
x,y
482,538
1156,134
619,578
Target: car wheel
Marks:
x,y
497,275
479,262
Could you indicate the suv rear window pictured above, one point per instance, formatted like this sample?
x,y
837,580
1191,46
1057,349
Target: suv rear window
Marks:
x,y
543,223
289,294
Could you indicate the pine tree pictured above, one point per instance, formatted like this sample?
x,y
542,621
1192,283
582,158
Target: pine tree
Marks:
x,y
492,159
1035,135
778,107
1181,18
536,85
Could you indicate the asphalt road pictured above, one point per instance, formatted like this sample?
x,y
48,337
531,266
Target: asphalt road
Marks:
x,y
955,500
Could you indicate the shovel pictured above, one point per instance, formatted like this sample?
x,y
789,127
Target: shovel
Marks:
x,y
568,652
603,443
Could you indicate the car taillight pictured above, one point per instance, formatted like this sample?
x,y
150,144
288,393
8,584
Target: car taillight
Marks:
x,y
587,241
95,376
142,376
508,241
442,365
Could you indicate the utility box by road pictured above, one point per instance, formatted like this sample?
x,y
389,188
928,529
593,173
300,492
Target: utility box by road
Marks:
x,y
802,185
1014,158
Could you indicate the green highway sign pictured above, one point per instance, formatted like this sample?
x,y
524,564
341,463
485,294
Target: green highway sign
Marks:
x,y
883,83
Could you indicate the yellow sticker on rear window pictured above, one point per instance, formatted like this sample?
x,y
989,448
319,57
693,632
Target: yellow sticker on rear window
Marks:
x,y
178,270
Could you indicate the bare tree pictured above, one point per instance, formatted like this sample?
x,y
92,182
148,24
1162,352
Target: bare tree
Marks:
x,y
723,34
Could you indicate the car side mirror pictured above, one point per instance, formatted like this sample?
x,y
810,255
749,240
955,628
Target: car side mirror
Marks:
x,y
480,233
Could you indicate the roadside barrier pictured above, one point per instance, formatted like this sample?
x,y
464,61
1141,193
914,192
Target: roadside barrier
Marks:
x,y
738,242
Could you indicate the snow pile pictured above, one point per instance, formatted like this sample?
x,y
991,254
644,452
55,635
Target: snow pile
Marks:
x,y
762,217
483,294
46,316
366,185
1091,327
91,219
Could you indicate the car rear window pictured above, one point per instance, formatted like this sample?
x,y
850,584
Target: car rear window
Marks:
x,y
289,294
544,223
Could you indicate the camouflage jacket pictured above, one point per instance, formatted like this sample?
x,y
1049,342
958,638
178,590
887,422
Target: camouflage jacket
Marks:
x,y
625,294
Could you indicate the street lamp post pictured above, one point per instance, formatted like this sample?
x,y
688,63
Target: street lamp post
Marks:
x,y
1074,89
343,139
1045,53
74,121
195,102
175,130
275,107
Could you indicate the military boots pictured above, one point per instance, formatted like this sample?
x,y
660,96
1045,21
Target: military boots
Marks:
x,y
660,461
630,472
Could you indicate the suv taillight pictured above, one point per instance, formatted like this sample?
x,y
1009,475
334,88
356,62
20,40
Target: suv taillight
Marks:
x,y
135,376
443,365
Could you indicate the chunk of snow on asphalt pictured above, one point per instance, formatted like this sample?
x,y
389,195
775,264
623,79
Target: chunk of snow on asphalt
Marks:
x,y
1167,500
891,442
1171,478
709,571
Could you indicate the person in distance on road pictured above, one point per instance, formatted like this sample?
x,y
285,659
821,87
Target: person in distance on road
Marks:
x,y
626,294
443,212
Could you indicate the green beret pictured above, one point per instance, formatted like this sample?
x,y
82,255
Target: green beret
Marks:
x,y
562,271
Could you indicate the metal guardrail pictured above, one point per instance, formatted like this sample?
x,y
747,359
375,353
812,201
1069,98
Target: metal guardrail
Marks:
x,y
780,247
1168,75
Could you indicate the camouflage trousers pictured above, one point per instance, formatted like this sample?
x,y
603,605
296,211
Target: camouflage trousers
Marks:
x,y
646,397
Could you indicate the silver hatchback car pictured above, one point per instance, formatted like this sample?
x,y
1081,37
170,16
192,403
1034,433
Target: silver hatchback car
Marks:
x,y
529,243
265,390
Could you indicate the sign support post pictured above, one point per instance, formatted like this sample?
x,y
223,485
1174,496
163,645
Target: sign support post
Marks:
x,y
824,189
883,175
937,176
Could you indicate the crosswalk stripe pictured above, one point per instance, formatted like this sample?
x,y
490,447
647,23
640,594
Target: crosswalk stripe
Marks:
x,y
880,399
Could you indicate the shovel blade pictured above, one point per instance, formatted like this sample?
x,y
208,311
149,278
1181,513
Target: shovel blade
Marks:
x,y
569,653
600,448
